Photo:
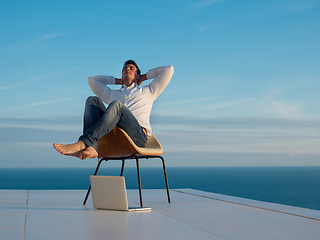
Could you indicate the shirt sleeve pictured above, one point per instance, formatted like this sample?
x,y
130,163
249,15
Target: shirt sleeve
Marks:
x,y
161,77
98,85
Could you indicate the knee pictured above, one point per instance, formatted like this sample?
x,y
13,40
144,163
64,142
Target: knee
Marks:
x,y
116,104
93,100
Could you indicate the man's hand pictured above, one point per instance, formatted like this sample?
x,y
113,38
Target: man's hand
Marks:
x,y
143,77
119,81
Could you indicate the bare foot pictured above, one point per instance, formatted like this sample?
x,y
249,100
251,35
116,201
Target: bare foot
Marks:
x,y
74,149
89,152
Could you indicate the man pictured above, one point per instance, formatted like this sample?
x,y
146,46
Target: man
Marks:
x,y
129,108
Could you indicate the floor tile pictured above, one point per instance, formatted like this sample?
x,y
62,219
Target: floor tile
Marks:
x,y
12,223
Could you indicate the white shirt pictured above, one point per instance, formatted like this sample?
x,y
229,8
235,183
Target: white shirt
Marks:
x,y
139,100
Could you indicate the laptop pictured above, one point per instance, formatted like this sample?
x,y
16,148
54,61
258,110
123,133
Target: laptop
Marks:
x,y
109,192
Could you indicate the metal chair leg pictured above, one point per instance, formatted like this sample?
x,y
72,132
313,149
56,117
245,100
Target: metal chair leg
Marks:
x,y
139,181
166,178
95,173
122,167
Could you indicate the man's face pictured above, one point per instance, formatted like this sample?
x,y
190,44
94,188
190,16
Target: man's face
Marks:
x,y
129,72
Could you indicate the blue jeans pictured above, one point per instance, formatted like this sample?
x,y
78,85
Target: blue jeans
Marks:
x,y
99,120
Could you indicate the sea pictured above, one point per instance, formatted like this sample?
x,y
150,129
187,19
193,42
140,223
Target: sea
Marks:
x,y
295,186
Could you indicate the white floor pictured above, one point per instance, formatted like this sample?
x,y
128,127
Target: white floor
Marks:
x,y
59,214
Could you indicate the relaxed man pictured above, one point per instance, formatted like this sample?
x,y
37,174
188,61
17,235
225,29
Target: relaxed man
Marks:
x,y
129,108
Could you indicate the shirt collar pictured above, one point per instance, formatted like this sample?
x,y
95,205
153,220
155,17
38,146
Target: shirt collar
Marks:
x,y
133,85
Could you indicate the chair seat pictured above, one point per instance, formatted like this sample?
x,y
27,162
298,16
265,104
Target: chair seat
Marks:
x,y
117,143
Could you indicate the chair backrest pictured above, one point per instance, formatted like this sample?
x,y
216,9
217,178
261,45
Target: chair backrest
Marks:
x,y
117,143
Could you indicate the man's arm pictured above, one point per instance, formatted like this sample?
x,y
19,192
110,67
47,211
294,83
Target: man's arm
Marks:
x,y
161,77
98,85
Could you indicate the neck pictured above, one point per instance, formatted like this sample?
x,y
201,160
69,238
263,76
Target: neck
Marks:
x,y
128,84
127,81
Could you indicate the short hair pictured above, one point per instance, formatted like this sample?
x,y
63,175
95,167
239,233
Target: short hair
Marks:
x,y
134,64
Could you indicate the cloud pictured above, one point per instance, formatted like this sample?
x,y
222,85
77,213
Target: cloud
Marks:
x,y
49,36
10,86
38,120
44,38
74,122
270,105
48,102
209,141
235,122
36,41
294,6
246,135
284,109
195,7
265,106
233,159
216,106
35,78
51,123
182,102
236,140
29,135
205,3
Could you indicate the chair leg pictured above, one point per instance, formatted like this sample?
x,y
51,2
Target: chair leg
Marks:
x,y
139,182
95,173
122,167
166,179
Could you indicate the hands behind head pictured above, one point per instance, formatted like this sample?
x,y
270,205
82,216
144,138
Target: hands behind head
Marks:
x,y
140,80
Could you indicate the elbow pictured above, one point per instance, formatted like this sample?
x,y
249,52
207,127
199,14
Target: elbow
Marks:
x,y
90,79
171,69
167,70
91,82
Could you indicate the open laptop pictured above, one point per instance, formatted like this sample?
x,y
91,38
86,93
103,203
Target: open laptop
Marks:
x,y
109,192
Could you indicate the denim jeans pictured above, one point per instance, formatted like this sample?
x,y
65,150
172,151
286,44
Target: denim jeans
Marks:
x,y
99,120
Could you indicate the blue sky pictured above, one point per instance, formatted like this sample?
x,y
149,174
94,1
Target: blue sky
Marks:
x,y
245,91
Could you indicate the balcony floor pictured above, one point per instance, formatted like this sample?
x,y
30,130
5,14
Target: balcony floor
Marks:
x,y
193,214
